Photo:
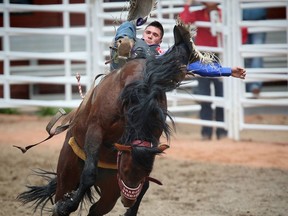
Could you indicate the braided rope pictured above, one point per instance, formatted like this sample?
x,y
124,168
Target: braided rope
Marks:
x,y
79,85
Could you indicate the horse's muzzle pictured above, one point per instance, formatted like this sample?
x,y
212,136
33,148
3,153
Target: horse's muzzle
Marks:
x,y
129,195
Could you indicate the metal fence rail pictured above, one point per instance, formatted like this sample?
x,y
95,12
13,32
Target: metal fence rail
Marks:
x,y
34,44
278,72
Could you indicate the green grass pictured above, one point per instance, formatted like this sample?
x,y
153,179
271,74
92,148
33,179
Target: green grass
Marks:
x,y
42,111
9,111
50,111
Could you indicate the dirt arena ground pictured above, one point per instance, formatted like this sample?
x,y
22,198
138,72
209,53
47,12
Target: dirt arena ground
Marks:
x,y
200,178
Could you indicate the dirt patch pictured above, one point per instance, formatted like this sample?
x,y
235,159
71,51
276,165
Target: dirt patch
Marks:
x,y
247,178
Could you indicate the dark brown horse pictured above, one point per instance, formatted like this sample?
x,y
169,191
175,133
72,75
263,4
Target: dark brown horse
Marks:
x,y
128,107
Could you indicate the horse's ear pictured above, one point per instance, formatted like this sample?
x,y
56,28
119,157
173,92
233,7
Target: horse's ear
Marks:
x,y
122,147
163,147
177,35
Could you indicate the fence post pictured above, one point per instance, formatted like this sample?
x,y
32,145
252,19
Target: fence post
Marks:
x,y
97,33
6,49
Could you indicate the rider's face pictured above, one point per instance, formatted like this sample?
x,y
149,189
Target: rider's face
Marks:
x,y
152,35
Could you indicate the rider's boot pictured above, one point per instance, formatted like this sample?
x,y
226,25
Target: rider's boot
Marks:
x,y
139,11
124,46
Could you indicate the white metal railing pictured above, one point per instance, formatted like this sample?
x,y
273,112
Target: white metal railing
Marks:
x,y
51,43
278,72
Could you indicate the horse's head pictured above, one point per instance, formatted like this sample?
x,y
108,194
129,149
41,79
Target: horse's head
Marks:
x,y
135,163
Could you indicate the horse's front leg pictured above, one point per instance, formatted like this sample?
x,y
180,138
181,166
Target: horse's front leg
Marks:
x,y
88,176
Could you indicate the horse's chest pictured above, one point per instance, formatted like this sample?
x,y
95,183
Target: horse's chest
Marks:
x,y
108,155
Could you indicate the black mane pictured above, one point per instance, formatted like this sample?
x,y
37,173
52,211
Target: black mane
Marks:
x,y
144,101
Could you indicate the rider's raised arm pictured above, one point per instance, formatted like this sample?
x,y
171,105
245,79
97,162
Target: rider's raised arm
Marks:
x,y
216,70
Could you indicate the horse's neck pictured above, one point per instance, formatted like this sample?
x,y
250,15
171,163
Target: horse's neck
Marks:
x,y
132,70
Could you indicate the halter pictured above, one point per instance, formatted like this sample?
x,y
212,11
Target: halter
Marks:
x,y
128,192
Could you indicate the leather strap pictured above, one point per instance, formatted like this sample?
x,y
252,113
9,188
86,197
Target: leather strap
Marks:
x,y
81,154
49,128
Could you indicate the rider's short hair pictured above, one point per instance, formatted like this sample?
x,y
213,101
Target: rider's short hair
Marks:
x,y
157,25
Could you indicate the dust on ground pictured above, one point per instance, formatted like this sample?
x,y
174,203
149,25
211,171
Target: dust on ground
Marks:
x,y
200,178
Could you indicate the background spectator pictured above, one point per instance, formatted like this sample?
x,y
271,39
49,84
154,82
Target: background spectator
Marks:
x,y
255,38
204,37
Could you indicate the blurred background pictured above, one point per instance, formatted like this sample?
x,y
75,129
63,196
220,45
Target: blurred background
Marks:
x,y
45,43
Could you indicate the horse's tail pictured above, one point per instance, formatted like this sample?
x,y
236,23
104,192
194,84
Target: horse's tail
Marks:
x,y
40,195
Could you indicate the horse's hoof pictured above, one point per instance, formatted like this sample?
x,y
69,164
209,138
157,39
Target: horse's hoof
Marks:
x,y
67,205
60,209
54,211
